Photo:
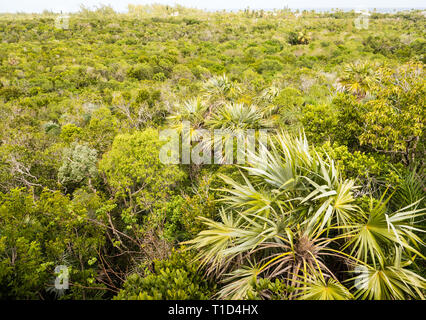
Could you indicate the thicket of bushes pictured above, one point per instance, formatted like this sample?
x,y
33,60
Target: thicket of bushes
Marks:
x,y
82,185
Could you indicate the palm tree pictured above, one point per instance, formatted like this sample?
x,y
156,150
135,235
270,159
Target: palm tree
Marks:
x,y
294,219
269,94
235,116
220,89
194,110
358,78
233,120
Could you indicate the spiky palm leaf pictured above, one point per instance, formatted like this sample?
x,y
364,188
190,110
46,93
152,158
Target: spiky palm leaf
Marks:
x,y
389,281
230,122
193,110
315,286
238,283
239,116
221,88
379,228
359,78
410,189
269,94
281,166
333,195
212,242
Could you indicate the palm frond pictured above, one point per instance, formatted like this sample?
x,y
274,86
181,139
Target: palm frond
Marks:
x,y
316,287
390,281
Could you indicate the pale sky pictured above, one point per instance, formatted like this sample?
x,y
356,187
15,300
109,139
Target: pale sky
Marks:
x,y
121,5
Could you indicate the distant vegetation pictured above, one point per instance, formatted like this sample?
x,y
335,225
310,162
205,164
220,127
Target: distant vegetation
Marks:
x,y
333,210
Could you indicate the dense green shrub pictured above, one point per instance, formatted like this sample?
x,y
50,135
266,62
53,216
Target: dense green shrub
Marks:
x,y
135,173
79,163
9,93
319,122
366,168
297,38
142,71
38,235
269,65
175,278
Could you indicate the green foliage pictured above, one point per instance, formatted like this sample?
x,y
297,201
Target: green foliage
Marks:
x,y
319,122
395,118
173,220
175,278
349,124
289,98
358,165
133,169
38,235
79,163
70,132
101,129
142,71
159,77
180,216
269,65
295,38
80,113
264,288
10,93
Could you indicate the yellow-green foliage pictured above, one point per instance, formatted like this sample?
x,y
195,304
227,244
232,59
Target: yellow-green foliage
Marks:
x,y
175,278
82,185
134,171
